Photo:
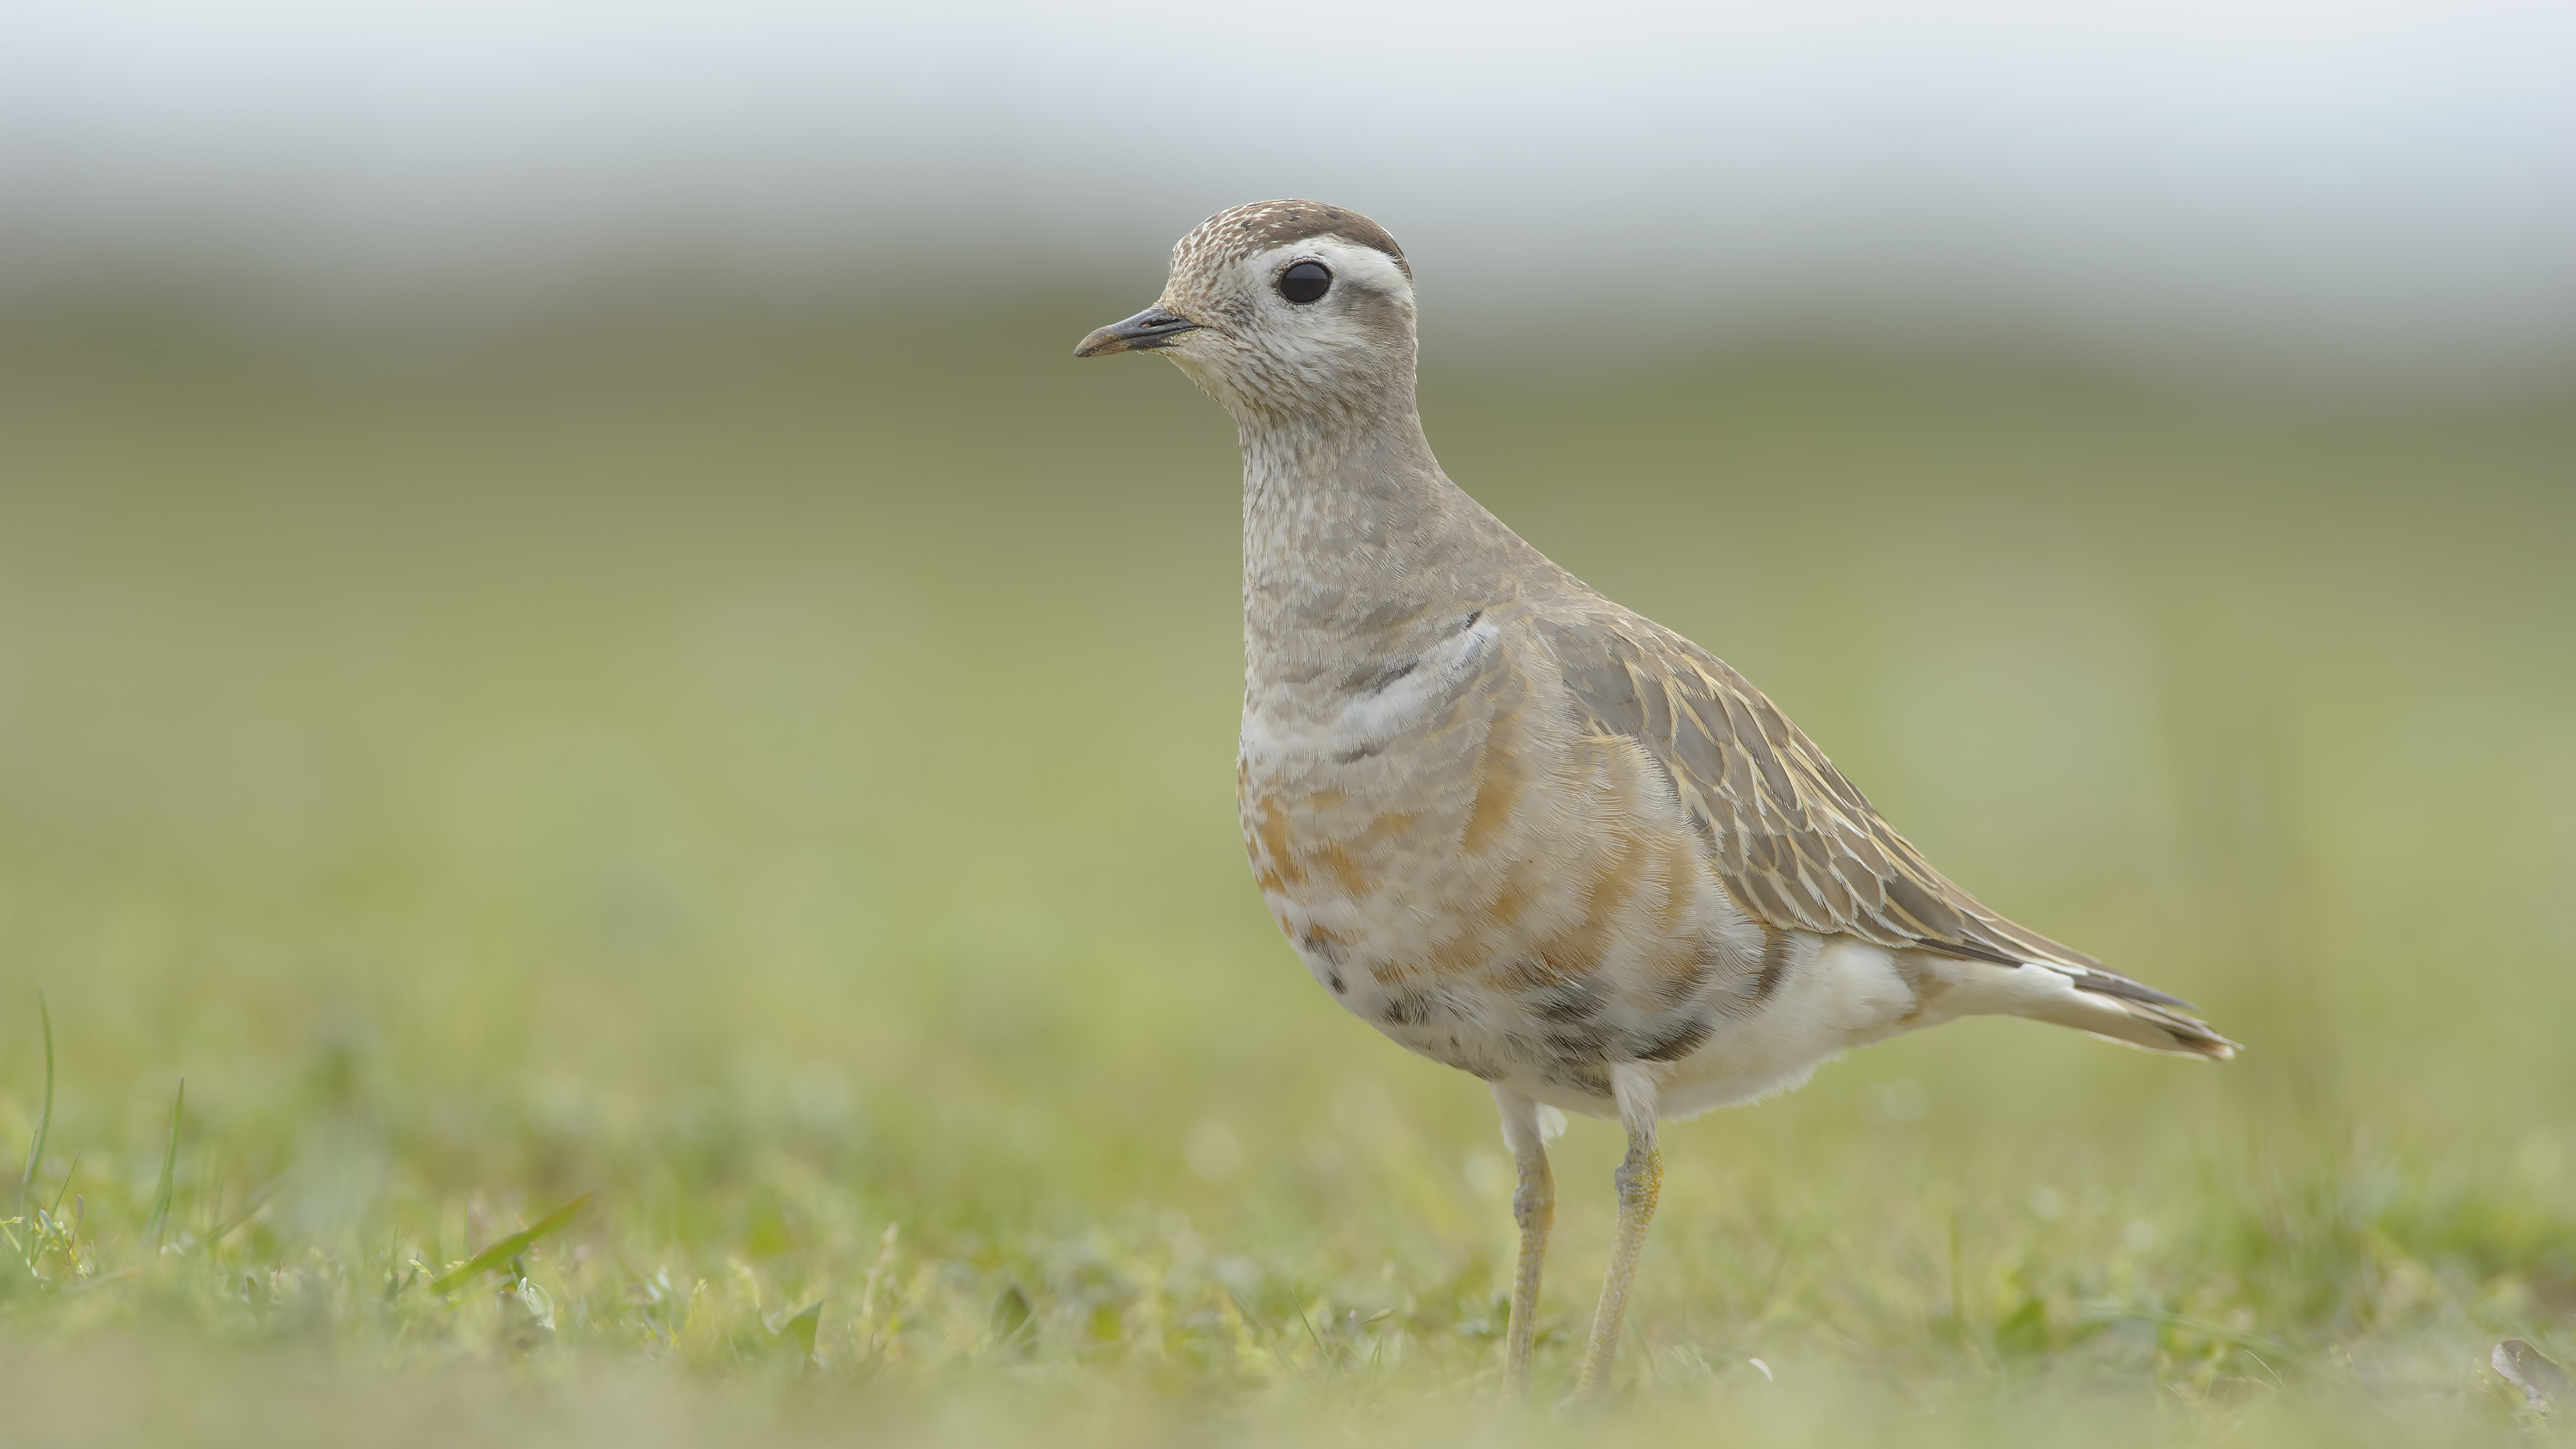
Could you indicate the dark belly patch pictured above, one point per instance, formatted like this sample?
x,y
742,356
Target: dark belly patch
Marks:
x,y
1320,945
1776,947
1405,1008
1680,1041
1570,1003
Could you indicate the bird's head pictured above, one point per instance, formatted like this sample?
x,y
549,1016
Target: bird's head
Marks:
x,y
1283,310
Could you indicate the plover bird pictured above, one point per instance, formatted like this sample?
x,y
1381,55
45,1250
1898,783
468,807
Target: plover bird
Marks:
x,y
1516,827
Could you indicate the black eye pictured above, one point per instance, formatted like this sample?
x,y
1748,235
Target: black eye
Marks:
x,y
1305,282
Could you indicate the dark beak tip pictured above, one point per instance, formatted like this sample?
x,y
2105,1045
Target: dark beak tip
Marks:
x,y
1098,341
1151,328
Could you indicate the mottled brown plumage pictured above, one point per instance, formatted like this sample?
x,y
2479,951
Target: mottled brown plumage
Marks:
x,y
1518,828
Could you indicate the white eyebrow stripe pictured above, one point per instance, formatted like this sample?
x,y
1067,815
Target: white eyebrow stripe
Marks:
x,y
1347,259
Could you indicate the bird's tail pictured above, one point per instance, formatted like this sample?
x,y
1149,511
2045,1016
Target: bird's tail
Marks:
x,y
2146,1024
2104,1004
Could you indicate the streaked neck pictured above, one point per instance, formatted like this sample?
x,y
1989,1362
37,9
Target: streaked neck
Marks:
x,y
1353,540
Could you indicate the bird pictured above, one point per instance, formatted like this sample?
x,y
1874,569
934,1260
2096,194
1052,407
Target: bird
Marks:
x,y
1517,828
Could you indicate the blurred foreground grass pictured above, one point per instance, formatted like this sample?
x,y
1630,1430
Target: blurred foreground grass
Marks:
x,y
777,781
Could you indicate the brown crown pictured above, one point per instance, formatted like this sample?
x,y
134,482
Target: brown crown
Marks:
x,y
1258,226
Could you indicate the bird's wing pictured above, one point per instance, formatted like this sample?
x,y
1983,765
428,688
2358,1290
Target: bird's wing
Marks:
x,y
1796,844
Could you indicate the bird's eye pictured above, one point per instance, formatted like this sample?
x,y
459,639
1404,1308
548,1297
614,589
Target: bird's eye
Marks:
x,y
1305,282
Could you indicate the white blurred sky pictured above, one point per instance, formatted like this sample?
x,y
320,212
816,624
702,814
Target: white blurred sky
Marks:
x,y
2364,189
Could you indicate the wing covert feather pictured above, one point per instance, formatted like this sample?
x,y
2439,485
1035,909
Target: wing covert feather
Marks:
x,y
1794,841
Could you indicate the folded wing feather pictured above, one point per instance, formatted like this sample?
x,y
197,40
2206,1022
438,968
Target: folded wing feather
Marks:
x,y
1795,842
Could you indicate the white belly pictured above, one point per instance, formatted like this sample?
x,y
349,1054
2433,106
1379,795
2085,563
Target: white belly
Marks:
x,y
1845,993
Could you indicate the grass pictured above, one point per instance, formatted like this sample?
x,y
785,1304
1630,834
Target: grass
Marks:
x,y
689,870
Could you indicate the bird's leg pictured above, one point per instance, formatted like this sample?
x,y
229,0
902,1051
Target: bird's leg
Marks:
x,y
1640,1178
1534,1209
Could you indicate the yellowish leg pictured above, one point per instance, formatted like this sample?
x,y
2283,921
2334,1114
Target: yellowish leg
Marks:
x,y
1640,1179
1534,1209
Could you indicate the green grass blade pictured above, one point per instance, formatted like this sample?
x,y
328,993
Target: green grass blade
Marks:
x,y
2117,1312
44,1119
250,1209
509,1247
169,1169
801,1325
55,1211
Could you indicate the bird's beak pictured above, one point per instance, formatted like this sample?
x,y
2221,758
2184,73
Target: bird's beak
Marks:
x,y
1154,327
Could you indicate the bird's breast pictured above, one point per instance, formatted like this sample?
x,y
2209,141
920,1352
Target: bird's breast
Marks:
x,y
1461,866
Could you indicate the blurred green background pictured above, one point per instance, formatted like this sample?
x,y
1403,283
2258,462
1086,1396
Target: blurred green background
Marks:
x,y
770,769
578,658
